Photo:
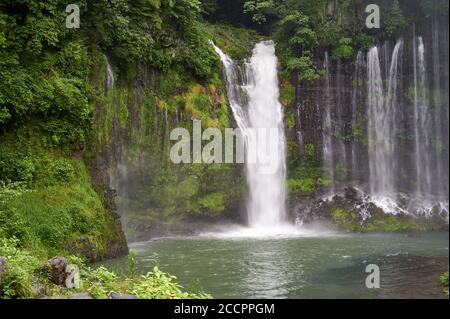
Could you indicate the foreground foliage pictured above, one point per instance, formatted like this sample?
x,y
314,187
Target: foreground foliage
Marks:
x,y
25,277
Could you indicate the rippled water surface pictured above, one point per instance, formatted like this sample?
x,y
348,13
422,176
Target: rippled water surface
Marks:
x,y
331,266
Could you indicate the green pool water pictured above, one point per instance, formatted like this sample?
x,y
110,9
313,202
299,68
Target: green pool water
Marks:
x,y
314,266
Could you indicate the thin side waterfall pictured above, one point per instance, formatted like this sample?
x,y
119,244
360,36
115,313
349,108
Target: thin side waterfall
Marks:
x,y
258,116
421,119
357,98
300,133
382,122
233,76
340,123
109,81
436,100
440,84
327,129
392,106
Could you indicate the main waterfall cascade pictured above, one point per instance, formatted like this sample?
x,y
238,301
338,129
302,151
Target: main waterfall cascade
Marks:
x,y
253,95
399,101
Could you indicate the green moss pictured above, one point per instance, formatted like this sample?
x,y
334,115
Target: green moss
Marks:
x,y
212,204
56,209
290,119
287,94
391,223
346,219
303,177
237,42
350,220
303,186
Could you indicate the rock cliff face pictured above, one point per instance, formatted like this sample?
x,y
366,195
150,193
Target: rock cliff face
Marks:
x,y
337,142
101,182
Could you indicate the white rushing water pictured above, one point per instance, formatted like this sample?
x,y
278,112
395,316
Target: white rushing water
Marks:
x,y
378,130
254,99
421,120
327,131
382,122
109,76
357,98
384,128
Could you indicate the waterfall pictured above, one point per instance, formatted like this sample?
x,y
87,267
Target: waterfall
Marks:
x,y
421,120
440,84
378,131
109,81
357,99
300,133
382,122
259,111
327,129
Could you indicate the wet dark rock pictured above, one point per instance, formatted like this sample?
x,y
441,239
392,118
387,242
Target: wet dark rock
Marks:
x,y
117,246
57,267
81,295
116,295
351,194
353,210
41,289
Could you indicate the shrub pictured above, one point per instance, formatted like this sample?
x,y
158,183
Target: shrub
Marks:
x,y
344,51
156,284
18,279
304,186
16,167
62,170
159,285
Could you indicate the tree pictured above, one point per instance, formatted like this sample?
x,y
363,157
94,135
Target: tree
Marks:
x,y
394,21
260,10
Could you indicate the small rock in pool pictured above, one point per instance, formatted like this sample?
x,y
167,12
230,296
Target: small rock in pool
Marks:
x,y
81,295
116,295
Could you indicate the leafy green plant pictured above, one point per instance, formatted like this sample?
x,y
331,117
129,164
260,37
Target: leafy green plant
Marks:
x,y
260,9
132,263
344,51
304,186
17,281
159,285
16,167
62,171
394,21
